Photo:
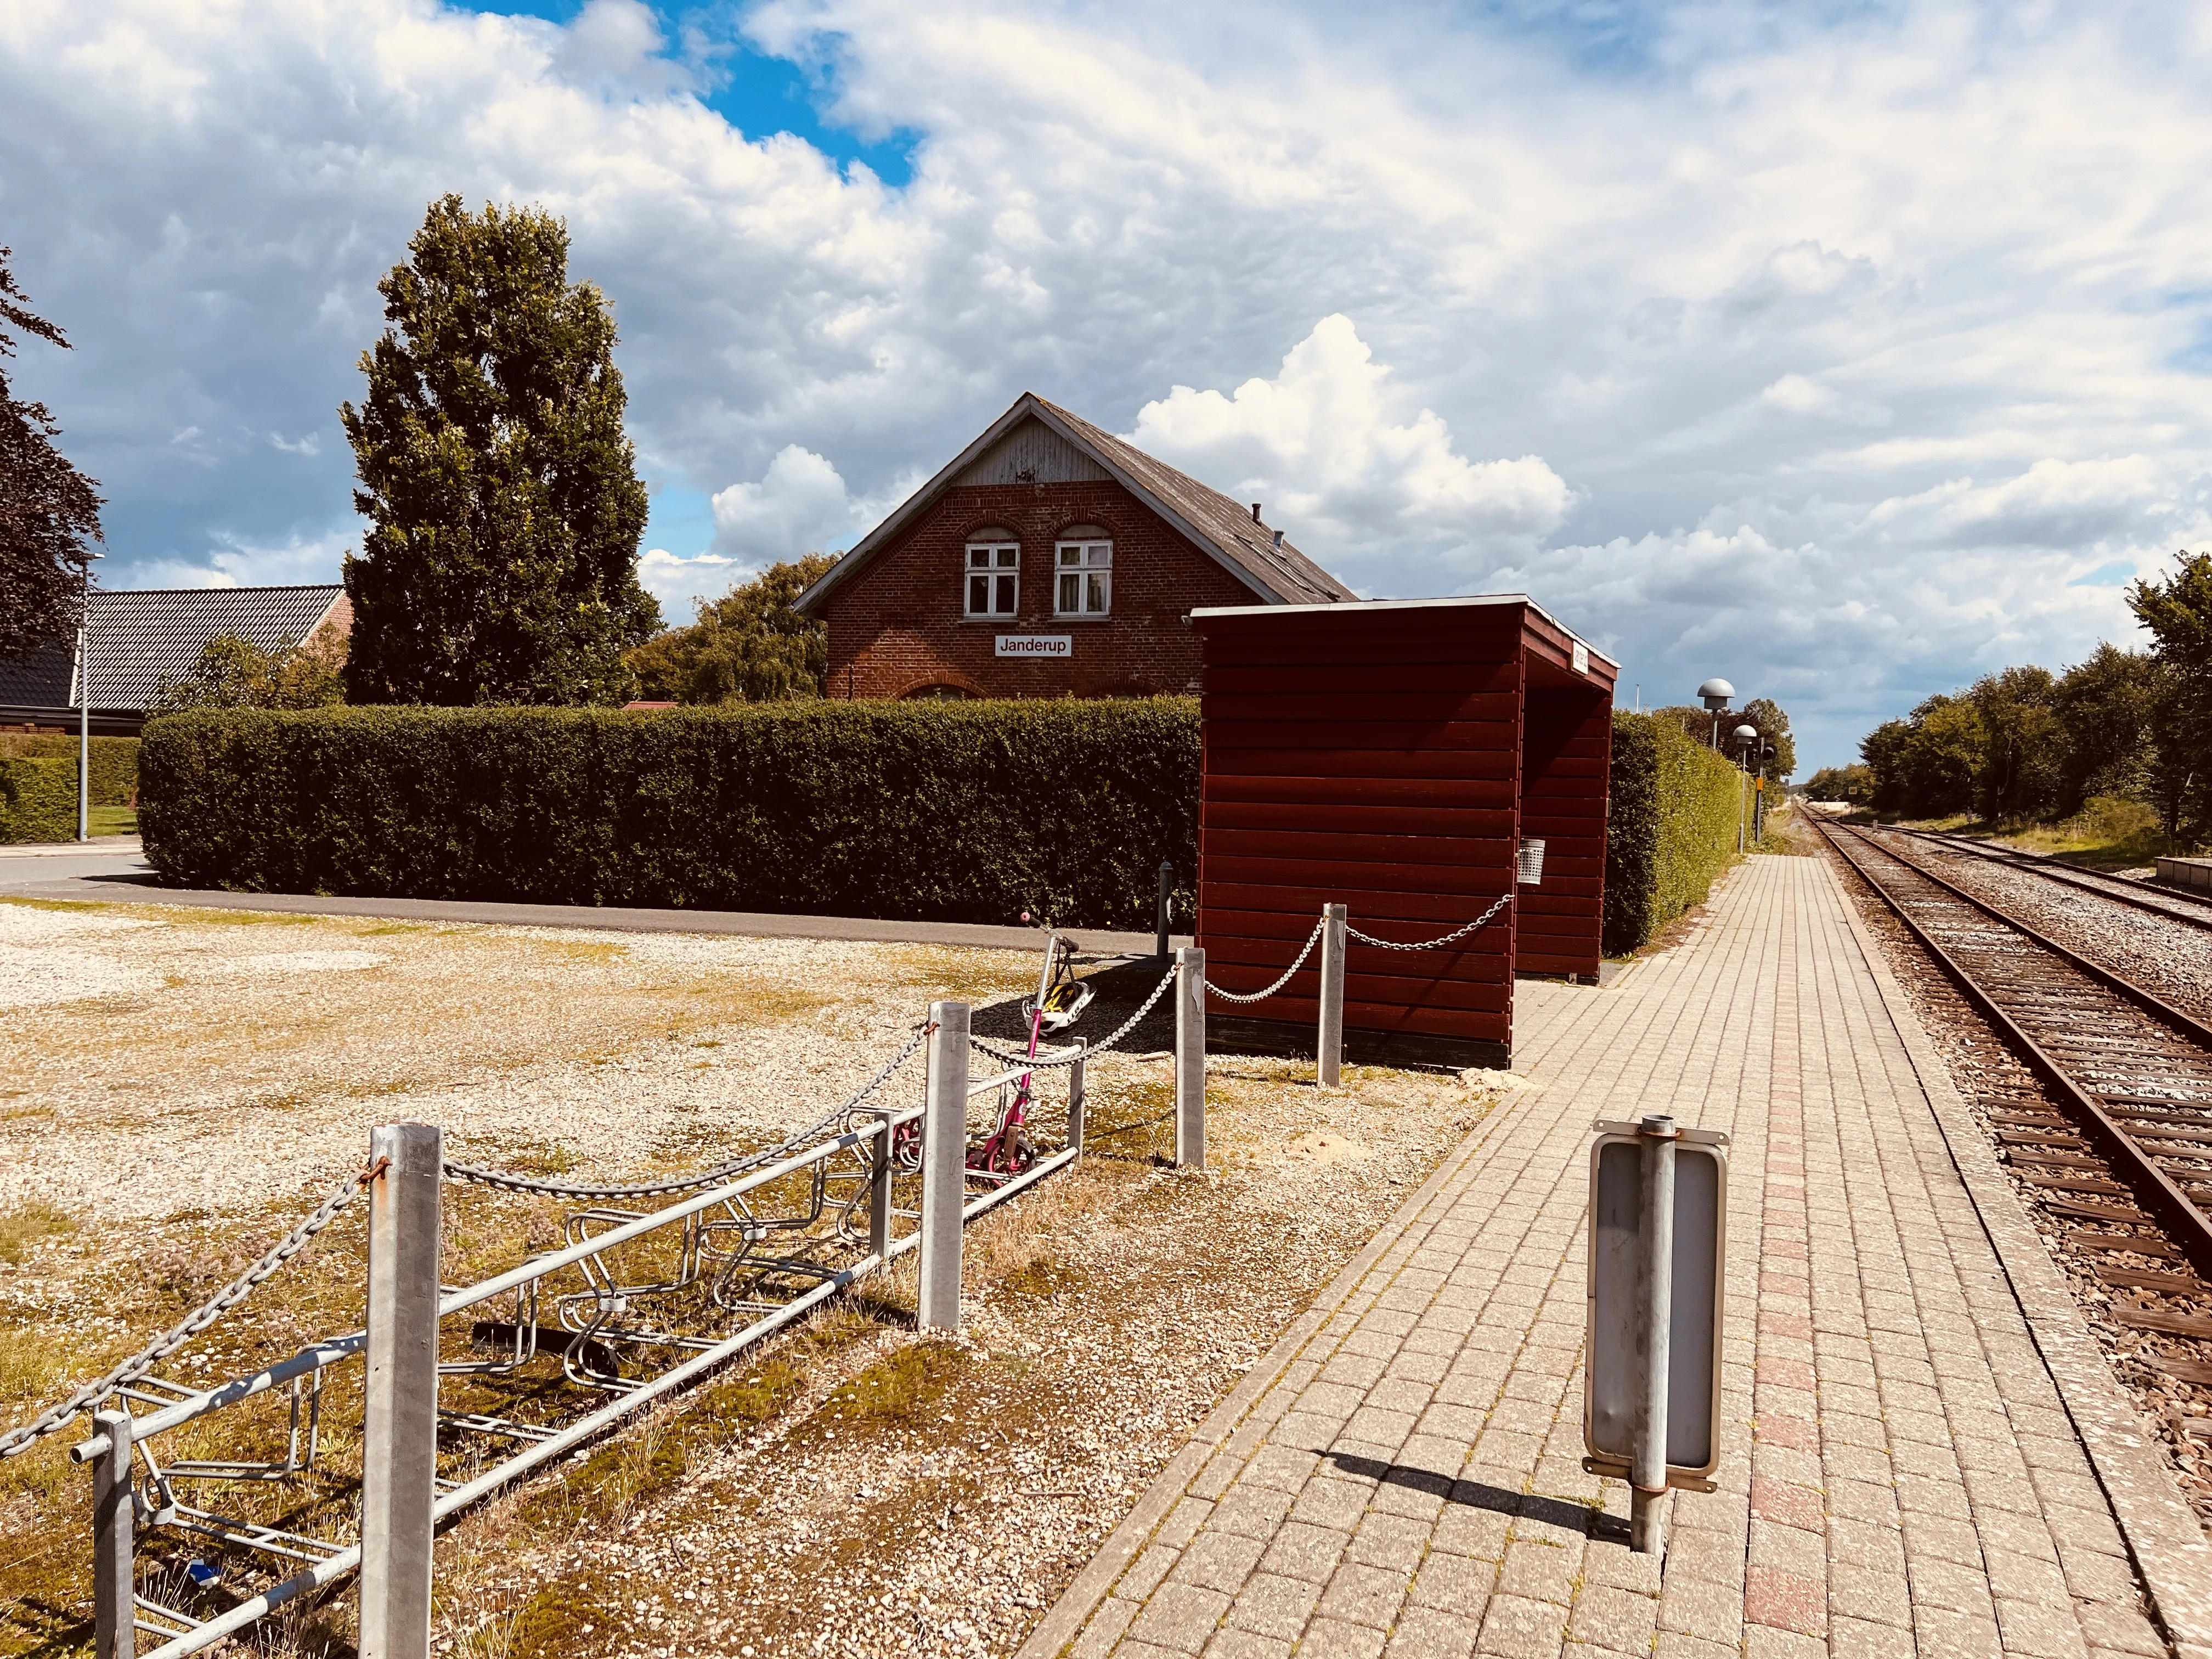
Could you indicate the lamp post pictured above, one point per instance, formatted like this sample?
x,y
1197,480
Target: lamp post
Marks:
x,y
1744,737
84,701
1715,694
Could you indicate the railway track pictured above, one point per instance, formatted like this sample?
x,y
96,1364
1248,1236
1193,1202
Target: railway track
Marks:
x,y
2115,1146
2167,901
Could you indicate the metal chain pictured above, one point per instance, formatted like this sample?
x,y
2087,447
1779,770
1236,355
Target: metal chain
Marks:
x,y
18,1440
1312,939
1069,1056
719,1173
1431,943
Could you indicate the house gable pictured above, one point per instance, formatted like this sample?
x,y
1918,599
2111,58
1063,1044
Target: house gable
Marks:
x,y
1031,453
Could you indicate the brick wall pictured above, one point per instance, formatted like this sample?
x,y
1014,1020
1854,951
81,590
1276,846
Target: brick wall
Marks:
x,y
897,627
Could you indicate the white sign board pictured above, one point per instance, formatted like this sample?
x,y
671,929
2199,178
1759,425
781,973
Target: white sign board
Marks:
x,y
1037,645
1581,658
1612,1379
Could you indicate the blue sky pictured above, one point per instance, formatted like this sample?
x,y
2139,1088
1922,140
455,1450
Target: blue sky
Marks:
x,y
1847,350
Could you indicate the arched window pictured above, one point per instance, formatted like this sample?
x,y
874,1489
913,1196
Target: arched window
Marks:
x,y
937,694
993,572
1083,571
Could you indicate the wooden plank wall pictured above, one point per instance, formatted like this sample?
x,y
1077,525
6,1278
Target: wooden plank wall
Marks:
x,y
1566,747
1370,760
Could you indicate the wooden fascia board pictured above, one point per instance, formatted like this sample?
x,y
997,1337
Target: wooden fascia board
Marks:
x,y
864,550
1175,520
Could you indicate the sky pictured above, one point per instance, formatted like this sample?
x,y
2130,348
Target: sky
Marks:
x,y
1846,350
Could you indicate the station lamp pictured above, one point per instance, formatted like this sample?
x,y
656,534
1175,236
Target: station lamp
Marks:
x,y
1715,694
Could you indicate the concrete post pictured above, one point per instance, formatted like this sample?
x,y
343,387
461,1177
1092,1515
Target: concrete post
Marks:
x,y
1655,1299
879,1191
400,1423
114,1579
944,1166
1075,1100
1190,1058
1328,1040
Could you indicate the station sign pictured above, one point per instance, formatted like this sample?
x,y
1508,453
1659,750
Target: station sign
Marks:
x,y
1614,1373
1037,645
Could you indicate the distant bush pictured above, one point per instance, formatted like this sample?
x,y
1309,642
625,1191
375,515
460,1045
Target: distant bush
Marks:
x,y
114,763
941,811
1671,827
37,798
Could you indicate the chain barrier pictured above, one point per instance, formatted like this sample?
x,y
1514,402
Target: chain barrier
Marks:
x,y
511,1182
19,1440
1431,943
1312,939
1069,1056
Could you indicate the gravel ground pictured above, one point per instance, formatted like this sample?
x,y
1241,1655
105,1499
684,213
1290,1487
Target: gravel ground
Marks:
x,y
189,1082
2177,1415
2170,958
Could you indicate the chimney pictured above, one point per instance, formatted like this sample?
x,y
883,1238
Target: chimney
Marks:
x,y
1256,513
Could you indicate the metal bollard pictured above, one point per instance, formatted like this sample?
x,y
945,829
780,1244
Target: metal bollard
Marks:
x,y
1167,890
1075,1100
399,1420
944,1166
1655,1286
114,1580
1190,1058
1328,1040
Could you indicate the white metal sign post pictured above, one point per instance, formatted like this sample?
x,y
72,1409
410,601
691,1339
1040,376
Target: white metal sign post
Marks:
x,y
1658,1237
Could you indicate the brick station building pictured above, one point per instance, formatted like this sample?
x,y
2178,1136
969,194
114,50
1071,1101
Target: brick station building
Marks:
x,y
1048,559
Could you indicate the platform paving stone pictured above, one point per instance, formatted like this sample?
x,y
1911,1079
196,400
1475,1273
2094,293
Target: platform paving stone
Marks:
x,y
1900,1474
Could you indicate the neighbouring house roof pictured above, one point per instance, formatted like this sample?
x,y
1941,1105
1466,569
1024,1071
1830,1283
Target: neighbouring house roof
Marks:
x,y
142,639
1216,525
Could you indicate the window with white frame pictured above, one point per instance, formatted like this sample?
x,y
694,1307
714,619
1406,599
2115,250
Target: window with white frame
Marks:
x,y
1083,574
994,575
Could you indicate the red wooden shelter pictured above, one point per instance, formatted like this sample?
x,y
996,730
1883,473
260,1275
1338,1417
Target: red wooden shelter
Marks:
x,y
1392,756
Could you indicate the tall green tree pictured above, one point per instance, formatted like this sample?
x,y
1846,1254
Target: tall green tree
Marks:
x,y
748,645
49,511
501,566
2178,612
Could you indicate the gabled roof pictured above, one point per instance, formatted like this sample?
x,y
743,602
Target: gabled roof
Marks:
x,y
143,638
1210,522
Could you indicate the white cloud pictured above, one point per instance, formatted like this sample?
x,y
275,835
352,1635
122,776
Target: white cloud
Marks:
x,y
681,583
800,505
1317,446
1819,349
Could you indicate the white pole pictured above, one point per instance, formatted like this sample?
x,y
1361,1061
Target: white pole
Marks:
x,y
1329,1038
1654,1284
84,713
399,1418
1190,1058
115,1568
943,1166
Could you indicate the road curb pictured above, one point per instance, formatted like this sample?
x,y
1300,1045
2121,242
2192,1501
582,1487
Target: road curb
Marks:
x,y
1072,1612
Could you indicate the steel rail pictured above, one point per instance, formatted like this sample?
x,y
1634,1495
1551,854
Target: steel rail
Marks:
x,y
2150,1002
2190,1229
2068,875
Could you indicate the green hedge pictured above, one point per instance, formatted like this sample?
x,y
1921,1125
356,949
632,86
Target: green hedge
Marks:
x,y
932,811
114,763
1671,827
37,798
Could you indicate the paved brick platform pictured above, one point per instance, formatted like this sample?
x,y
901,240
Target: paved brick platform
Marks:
x,y
1923,1452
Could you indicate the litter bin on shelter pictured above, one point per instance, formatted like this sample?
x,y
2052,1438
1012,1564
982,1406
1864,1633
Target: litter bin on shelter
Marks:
x,y
1395,757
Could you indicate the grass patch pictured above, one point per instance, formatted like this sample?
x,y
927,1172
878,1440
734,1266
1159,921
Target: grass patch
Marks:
x,y
1041,1278
901,1386
114,820
21,1228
